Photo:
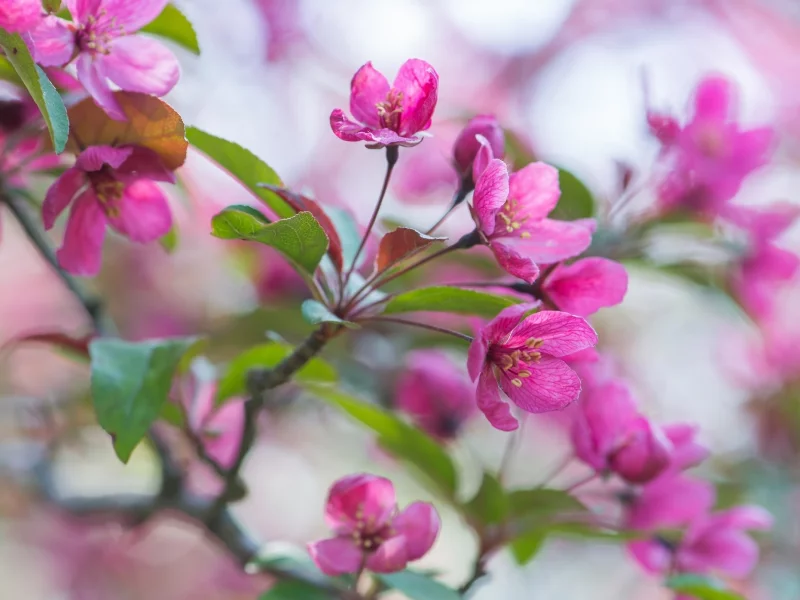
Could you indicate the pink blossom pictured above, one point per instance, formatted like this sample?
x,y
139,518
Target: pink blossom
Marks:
x,y
587,285
389,115
109,186
18,16
362,512
436,394
100,38
523,355
511,216
709,156
467,144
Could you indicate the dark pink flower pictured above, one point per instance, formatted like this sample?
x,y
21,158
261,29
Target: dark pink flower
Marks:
x,y
19,16
389,115
523,356
587,285
109,186
668,502
467,143
362,512
710,156
100,38
435,393
511,215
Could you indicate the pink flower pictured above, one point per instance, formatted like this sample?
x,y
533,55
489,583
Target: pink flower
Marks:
x,y
587,285
511,216
18,16
362,512
101,37
467,144
110,186
668,502
709,156
389,116
436,394
522,355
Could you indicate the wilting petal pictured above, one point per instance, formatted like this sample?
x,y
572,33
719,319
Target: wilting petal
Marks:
x,y
561,333
359,497
82,250
90,75
419,83
336,556
131,15
714,99
94,157
391,556
488,398
61,194
587,285
419,524
491,193
367,89
53,42
140,64
514,263
552,385
142,214
536,191
549,241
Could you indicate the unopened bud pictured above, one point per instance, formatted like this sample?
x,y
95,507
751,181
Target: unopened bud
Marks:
x,y
645,455
467,145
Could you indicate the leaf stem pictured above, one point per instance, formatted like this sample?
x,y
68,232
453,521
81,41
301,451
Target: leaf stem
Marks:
x,y
457,334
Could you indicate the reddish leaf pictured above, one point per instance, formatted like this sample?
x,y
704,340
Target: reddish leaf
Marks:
x,y
301,203
400,244
63,341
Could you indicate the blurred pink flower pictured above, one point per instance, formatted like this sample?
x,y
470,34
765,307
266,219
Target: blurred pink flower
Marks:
x,y
435,393
362,512
522,355
467,144
284,26
587,285
389,116
18,16
100,36
110,186
671,501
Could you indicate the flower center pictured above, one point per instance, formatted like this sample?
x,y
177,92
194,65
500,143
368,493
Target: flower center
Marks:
x,y
711,142
95,38
509,215
107,188
369,535
514,362
390,109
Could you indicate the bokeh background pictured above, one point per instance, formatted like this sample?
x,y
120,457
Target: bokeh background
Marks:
x,y
572,80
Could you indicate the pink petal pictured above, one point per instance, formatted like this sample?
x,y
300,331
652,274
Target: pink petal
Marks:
x,y
222,432
336,556
391,556
90,75
491,193
144,163
561,333
140,64
81,9
53,42
19,16
552,385
94,157
654,557
664,127
729,551
359,497
350,131
476,356
587,285
132,15
644,455
488,399
419,525
482,130
535,188
142,214
483,157
714,99
82,249
670,501
419,83
548,241
61,194
686,452
367,89
765,223
746,517
514,263
499,328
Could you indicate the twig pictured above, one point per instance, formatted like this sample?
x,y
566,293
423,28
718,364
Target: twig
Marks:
x,y
457,334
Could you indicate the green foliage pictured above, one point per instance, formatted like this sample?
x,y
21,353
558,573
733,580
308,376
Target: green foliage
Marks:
x,y
130,384
315,312
490,504
418,586
528,545
171,24
450,300
540,502
701,587
39,87
169,241
576,200
295,590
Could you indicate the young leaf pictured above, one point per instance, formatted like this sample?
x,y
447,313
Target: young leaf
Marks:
x,y
169,241
451,300
243,165
315,312
400,244
299,238
73,346
295,590
8,73
399,438
234,381
576,200
417,586
151,123
171,24
540,502
39,87
130,384
490,505
526,546
701,587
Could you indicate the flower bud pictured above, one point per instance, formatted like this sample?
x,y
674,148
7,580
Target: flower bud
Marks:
x,y
644,456
467,145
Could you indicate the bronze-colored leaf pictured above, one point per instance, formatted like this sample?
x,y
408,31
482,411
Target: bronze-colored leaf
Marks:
x,y
400,244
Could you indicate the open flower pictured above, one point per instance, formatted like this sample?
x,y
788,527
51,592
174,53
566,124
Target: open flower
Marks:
x,y
362,511
587,285
18,16
100,35
522,355
109,186
511,216
389,115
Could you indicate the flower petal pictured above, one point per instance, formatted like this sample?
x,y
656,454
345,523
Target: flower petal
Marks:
x,y
91,76
491,193
552,385
350,131
728,550
419,524
561,333
81,9
142,214
391,556
746,517
549,241
419,84
476,356
499,328
714,99
587,285
94,157
81,251
131,15
367,89
53,42
144,163
653,556
644,455
61,194
359,497
535,188
514,263
488,399
670,501
336,556
483,157
140,64
19,16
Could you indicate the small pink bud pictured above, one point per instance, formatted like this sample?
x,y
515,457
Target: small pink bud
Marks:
x,y
467,145
645,456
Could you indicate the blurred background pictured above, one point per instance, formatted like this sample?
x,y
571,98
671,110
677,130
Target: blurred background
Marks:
x,y
571,80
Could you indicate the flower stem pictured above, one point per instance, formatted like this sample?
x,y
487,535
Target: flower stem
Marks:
x,y
512,443
580,482
459,197
457,334
557,470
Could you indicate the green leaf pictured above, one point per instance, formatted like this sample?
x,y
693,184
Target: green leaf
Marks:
x,y
8,73
315,312
451,300
171,24
576,200
38,85
526,546
417,586
243,165
234,381
169,241
700,587
130,384
490,505
295,590
172,414
399,438
300,238
540,502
